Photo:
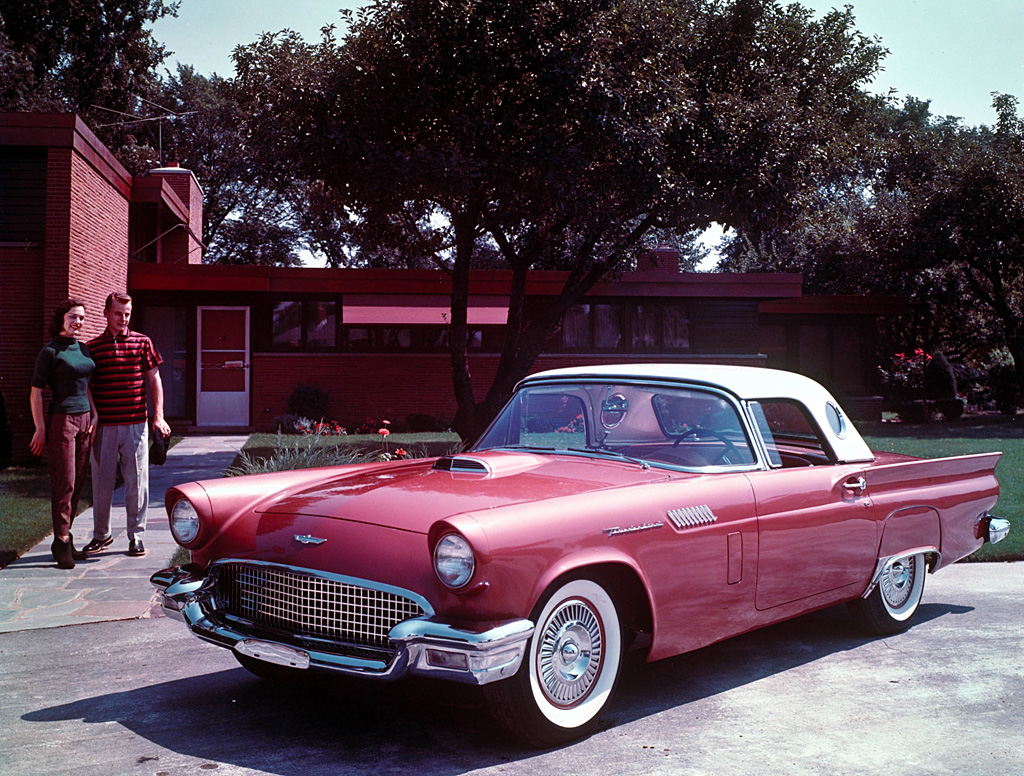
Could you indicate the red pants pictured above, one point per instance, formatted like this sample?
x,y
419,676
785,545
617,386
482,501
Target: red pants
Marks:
x,y
67,448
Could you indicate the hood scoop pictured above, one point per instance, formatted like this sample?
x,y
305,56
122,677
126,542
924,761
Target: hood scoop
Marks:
x,y
460,463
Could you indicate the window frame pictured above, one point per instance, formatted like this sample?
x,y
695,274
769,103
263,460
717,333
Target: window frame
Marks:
x,y
306,306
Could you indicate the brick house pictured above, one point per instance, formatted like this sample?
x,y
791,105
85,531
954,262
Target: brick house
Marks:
x,y
71,217
237,340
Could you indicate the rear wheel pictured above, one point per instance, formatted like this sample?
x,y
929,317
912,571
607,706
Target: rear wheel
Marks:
x,y
892,604
569,671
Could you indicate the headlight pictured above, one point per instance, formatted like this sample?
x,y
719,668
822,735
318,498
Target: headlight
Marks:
x,y
453,561
184,522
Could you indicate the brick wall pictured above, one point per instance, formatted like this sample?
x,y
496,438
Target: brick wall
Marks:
x,y
84,254
98,251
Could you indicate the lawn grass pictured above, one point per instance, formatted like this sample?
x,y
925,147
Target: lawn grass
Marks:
x,y
968,436
25,509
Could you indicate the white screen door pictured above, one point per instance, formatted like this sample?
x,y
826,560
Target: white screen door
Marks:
x,y
222,394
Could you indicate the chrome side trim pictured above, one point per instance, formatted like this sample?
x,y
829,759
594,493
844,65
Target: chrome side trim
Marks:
x,y
690,517
932,558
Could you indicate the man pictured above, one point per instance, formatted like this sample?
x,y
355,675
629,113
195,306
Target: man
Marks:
x,y
126,362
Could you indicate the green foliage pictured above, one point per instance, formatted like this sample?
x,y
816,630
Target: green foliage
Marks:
x,y
94,57
558,134
310,401
25,507
244,222
304,453
936,214
939,379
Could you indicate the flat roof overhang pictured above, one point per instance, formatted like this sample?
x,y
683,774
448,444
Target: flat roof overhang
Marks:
x,y
391,283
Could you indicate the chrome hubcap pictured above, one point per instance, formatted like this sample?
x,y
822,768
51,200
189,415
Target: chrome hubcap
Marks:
x,y
569,653
898,581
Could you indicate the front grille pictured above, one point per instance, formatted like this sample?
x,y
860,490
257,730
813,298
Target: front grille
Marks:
x,y
312,611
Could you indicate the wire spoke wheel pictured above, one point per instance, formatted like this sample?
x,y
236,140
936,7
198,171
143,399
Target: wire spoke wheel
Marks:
x,y
569,671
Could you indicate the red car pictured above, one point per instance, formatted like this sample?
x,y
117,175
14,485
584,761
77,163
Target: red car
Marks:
x,y
654,507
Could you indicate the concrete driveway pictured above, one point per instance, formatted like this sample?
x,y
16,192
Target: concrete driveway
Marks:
x,y
811,696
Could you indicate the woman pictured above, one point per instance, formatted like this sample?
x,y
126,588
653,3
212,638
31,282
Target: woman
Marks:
x,y
64,366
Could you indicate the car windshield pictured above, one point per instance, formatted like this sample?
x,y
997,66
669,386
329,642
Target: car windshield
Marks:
x,y
660,425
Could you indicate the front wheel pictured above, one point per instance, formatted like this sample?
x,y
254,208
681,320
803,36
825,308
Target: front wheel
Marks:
x,y
569,671
892,604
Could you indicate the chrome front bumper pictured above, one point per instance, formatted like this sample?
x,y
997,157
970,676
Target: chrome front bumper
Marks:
x,y
425,646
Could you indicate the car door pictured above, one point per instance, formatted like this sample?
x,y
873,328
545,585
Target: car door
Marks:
x,y
815,522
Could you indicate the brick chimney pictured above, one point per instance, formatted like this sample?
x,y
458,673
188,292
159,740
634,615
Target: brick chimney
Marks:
x,y
664,258
184,184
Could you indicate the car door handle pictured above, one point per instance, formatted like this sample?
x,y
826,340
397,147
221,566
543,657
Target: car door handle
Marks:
x,y
856,485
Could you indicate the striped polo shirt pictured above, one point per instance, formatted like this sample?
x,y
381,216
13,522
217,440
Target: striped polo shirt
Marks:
x,y
119,382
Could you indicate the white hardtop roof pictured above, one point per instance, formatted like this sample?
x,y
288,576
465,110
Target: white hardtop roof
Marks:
x,y
745,382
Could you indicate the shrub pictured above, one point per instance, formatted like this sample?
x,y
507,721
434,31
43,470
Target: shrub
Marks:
x,y
418,422
291,423
1002,378
306,453
939,378
309,401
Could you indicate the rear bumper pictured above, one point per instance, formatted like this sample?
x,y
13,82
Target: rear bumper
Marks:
x,y
424,646
995,529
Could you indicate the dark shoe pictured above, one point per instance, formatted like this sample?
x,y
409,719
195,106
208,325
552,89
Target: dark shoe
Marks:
x,y
76,554
135,548
62,554
97,545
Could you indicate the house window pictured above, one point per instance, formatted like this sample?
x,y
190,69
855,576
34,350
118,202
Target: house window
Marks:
x,y
575,333
22,194
305,325
608,327
626,327
675,327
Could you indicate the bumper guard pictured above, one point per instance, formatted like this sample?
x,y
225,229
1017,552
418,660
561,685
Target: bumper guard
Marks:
x,y
425,646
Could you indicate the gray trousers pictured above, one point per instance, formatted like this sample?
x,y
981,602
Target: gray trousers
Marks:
x,y
126,447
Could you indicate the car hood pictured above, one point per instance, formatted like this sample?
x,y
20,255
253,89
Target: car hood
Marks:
x,y
413,495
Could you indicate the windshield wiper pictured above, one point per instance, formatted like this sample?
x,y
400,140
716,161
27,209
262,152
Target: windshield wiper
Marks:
x,y
622,456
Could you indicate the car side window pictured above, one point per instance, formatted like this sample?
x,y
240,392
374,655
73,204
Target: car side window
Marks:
x,y
789,433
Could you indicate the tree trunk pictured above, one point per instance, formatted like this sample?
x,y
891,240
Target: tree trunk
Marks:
x,y
462,380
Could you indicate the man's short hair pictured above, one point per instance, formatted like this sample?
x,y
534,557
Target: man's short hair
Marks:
x,y
117,296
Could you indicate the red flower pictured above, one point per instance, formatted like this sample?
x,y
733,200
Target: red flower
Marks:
x,y
383,431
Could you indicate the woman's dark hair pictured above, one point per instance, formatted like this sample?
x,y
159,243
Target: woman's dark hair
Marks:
x,y
57,322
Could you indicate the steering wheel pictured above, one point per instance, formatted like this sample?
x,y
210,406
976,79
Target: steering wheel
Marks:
x,y
721,457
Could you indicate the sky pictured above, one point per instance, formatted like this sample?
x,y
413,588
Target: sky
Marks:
x,y
952,52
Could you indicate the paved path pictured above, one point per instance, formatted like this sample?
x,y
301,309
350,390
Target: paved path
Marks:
x,y
34,593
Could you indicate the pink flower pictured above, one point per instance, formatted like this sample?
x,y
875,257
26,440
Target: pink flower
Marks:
x,y
383,431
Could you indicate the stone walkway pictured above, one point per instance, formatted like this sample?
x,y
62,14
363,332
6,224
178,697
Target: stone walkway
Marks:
x,y
34,593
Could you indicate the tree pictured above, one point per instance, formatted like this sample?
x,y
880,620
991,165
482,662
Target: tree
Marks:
x,y
935,214
243,221
966,217
559,133
93,57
